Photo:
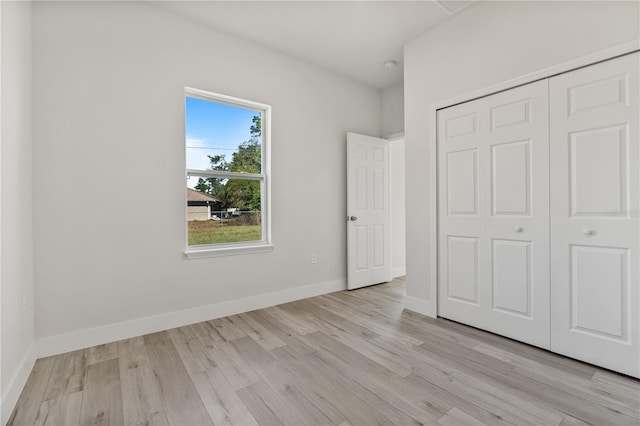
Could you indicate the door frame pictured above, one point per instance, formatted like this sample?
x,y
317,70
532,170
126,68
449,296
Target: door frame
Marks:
x,y
430,307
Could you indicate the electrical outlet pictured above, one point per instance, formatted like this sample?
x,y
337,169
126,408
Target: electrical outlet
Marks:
x,y
314,258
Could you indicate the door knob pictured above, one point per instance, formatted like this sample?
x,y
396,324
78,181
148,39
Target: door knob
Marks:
x,y
518,229
353,218
589,232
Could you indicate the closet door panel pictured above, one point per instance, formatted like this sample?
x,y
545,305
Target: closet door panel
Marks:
x,y
511,178
461,211
595,219
517,289
494,213
512,278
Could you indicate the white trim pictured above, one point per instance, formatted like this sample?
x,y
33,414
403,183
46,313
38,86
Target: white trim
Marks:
x,y
398,271
54,345
424,307
208,96
266,171
549,72
17,382
230,175
389,212
216,251
433,208
395,136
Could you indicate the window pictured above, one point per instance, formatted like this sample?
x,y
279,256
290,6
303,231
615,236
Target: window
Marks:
x,y
227,165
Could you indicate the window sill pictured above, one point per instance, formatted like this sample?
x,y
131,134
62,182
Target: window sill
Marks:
x,y
204,253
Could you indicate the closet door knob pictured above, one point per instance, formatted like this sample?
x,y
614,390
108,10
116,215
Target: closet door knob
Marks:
x,y
589,232
518,229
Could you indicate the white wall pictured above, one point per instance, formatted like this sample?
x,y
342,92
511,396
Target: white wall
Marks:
x,y
488,43
393,124
393,110
16,266
109,138
398,215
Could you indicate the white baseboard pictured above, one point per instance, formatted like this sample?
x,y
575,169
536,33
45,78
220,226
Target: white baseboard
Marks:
x,y
58,344
12,392
398,271
421,306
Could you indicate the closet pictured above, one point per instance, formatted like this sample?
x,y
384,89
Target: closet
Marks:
x,y
539,213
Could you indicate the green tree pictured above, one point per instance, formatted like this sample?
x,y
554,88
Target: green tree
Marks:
x,y
214,186
248,159
256,127
238,193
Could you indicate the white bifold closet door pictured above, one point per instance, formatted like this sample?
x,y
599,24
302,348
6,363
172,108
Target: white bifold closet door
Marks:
x,y
493,201
595,214
539,213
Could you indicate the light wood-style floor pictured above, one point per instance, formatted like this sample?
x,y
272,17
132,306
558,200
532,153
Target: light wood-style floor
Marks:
x,y
345,358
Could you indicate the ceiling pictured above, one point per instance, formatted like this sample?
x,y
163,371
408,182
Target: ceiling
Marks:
x,y
352,38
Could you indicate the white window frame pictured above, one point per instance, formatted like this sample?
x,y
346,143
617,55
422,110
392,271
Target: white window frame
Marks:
x,y
241,247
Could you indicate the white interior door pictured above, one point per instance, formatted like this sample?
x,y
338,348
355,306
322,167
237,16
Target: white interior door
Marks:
x,y
493,213
595,214
368,255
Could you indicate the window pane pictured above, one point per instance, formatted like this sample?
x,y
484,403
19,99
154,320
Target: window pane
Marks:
x,y
223,210
223,137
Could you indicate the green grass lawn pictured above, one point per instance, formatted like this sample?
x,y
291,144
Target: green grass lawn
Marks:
x,y
210,232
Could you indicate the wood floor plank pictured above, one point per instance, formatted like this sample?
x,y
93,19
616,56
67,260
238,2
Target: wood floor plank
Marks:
x,y
227,328
409,322
373,392
464,354
61,411
181,400
132,353
102,353
575,406
281,381
627,401
267,407
292,345
261,334
290,374
370,322
347,354
32,395
101,398
456,417
449,388
343,400
433,400
376,353
583,388
67,375
346,358
295,323
193,354
236,370
534,353
618,385
492,395
223,404
209,329
543,396
141,399
334,321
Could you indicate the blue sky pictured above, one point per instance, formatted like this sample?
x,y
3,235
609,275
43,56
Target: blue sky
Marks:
x,y
214,129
